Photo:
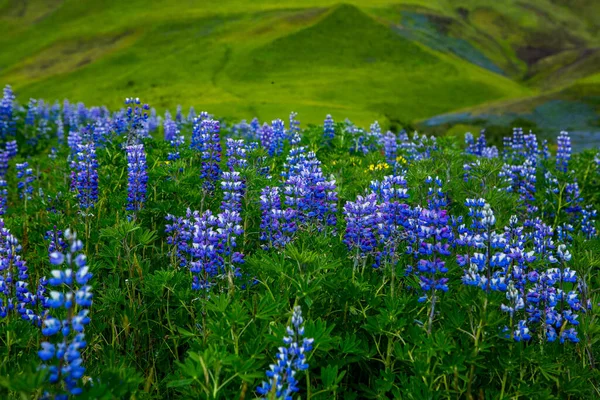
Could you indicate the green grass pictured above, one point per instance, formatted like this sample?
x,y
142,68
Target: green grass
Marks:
x,y
267,58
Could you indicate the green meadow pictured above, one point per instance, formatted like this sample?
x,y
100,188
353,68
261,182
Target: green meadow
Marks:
x,y
399,62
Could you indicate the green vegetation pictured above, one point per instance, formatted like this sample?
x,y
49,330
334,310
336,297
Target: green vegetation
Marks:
x,y
366,60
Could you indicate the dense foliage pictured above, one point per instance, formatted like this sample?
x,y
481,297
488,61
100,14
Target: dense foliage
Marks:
x,y
188,257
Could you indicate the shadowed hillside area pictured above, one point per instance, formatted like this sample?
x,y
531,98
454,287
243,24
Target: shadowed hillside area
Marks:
x,y
439,65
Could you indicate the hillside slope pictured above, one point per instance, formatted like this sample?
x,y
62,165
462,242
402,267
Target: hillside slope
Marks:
x,y
388,60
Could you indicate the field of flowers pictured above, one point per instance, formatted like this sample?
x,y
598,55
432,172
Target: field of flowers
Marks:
x,y
188,256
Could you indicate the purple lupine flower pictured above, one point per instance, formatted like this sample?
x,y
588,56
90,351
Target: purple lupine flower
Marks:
x,y
25,176
64,327
56,241
206,140
137,177
180,235
32,111
176,142
12,149
294,132
169,127
191,115
361,225
234,189
277,138
136,117
276,225
3,196
4,160
15,298
86,176
390,147
563,154
328,128
73,141
588,222
283,376
7,120
206,260
236,154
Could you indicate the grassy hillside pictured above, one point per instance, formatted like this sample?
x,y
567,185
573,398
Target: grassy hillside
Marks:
x,y
388,60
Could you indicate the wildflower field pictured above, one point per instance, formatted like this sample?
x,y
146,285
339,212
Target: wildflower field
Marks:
x,y
187,256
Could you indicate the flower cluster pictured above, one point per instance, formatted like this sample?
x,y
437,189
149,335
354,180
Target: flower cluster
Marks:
x,y
86,176
233,191
276,225
137,177
14,295
282,376
25,176
236,153
563,154
7,121
136,117
206,140
328,128
64,327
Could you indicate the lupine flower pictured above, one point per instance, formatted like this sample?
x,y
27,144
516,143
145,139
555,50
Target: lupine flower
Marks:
x,y
137,177
390,147
4,160
277,138
136,116
86,176
236,154
563,154
205,138
276,225
12,149
64,327
25,176
14,295
233,191
282,376
361,226
180,235
3,196
206,260
328,128
176,142
7,122
294,131
169,127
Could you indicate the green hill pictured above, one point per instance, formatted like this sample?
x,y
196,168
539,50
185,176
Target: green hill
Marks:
x,y
393,61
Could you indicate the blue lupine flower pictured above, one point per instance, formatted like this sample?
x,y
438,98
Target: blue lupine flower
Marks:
x,y
136,118
3,196
206,140
64,327
176,142
12,149
25,176
563,154
7,120
14,295
328,128
169,127
294,132
86,176
276,225
282,376
361,225
236,154
137,177
234,189
180,231
390,147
